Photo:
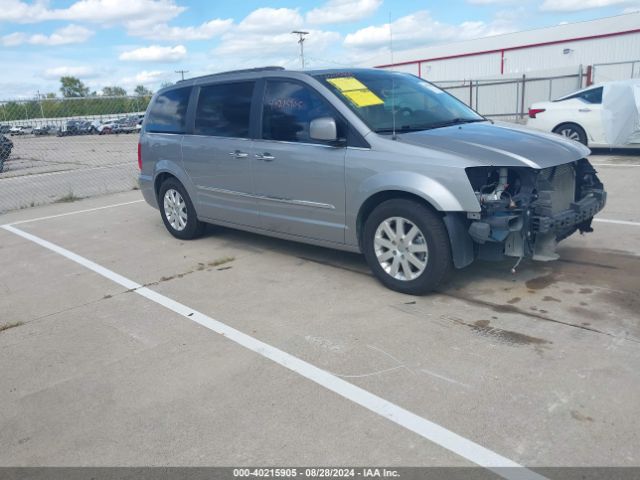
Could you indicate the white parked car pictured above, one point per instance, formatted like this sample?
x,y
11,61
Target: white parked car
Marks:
x,y
604,115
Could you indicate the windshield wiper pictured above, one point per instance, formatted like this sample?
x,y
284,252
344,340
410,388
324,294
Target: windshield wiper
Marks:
x,y
401,129
448,123
456,121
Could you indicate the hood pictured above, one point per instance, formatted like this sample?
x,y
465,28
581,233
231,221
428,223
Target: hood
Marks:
x,y
499,144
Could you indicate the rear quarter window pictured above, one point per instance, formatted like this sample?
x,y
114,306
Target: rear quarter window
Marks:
x,y
169,111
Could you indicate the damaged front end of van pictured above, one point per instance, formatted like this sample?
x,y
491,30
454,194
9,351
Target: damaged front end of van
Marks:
x,y
526,211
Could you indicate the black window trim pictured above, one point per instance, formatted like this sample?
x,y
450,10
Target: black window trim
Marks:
x,y
193,107
354,138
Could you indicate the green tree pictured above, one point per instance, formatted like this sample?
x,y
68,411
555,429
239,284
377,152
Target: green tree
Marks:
x,y
114,91
142,91
73,87
166,84
50,95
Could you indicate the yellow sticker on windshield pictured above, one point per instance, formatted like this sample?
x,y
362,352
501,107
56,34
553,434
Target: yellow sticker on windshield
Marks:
x,y
344,84
363,98
356,91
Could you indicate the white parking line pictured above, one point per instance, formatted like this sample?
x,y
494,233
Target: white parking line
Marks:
x,y
617,222
75,212
425,428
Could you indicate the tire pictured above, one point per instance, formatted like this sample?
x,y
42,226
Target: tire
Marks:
x,y
431,235
1,165
572,131
184,223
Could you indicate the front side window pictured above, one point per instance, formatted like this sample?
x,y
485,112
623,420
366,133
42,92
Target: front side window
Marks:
x,y
224,110
288,110
169,111
388,101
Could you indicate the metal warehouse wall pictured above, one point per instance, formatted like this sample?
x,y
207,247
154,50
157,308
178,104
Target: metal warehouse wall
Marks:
x,y
621,48
518,53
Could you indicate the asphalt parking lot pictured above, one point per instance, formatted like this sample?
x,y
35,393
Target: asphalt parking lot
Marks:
x,y
133,348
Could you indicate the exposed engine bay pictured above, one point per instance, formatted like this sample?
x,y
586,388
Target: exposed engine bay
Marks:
x,y
526,211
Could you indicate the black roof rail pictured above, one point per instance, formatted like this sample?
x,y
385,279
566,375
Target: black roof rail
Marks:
x,y
244,70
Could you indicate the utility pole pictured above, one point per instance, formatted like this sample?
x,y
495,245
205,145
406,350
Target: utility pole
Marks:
x,y
301,40
182,72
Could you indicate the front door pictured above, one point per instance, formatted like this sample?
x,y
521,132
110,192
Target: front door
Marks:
x,y
217,156
299,182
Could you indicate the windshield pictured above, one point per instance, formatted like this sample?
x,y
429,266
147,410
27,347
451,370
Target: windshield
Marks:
x,y
373,95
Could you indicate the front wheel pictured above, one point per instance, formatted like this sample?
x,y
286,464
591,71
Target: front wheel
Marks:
x,y
407,246
177,211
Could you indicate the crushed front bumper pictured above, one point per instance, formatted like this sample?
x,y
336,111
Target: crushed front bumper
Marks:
x,y
566,222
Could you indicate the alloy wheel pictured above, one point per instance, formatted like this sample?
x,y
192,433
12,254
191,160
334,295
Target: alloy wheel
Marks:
x,y
401,248
175,209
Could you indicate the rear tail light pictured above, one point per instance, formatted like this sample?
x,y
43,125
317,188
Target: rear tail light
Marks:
x,y
534,111
139,156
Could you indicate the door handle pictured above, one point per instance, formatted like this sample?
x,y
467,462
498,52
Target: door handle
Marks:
x,y
266,156
239,154
584,110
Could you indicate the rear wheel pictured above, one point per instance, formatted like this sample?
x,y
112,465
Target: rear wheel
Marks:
x,y
572,132
177,211
407,246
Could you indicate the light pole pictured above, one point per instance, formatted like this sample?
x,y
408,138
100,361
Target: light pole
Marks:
x,y
301,40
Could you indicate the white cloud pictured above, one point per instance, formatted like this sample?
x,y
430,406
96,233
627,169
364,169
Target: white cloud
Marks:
x,y
14,39
420,28
342,11
78,71
144,78
133,14
271,20
576,5
155,53
62,36
264,37
284,44
162,31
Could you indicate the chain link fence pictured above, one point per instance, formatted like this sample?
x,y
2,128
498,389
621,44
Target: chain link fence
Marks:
x,y
509,100
60,150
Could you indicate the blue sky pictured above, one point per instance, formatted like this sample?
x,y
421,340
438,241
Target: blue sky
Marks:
x,y
131,42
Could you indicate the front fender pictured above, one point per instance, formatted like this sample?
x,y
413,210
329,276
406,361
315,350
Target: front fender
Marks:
x,y
430,189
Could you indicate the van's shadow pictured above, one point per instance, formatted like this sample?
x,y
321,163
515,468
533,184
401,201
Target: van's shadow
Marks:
x,y
478,271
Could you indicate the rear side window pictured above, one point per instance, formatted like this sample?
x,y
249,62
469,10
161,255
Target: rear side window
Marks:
x,y
168,113
590,96
224,110
288,110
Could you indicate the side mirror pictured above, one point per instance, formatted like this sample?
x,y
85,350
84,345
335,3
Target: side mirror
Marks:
x,y
324,129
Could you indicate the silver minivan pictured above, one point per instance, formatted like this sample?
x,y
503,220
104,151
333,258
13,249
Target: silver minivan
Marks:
x,y
371,161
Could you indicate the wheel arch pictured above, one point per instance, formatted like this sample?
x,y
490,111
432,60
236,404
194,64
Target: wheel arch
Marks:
x,y
456,224
382,196
574,123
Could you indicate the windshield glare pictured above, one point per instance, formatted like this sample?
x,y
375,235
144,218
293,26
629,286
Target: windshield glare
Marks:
x,y
374,95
